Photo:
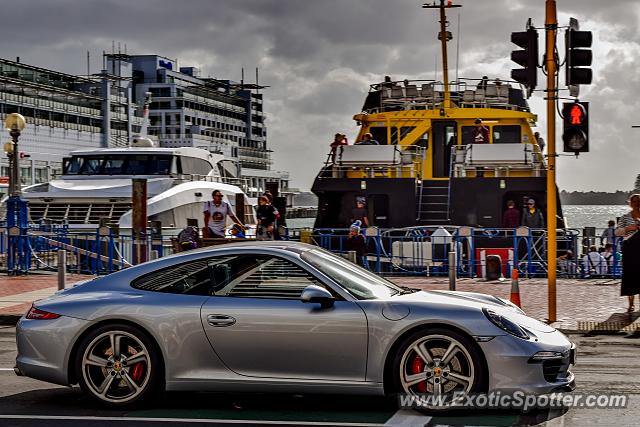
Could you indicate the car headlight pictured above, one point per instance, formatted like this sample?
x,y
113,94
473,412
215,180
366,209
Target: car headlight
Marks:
x,y
505,324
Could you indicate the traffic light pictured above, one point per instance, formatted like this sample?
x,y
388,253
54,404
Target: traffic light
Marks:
x,y
527,58
576,58
576,127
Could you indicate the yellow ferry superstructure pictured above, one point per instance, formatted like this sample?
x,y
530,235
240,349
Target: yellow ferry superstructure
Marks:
x,y
427,167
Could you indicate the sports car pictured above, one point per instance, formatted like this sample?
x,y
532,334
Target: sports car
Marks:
x,y
281,316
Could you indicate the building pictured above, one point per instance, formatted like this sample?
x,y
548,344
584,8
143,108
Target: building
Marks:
x,y
66,112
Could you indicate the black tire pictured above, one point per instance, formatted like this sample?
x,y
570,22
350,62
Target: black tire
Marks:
x,y
465,363
123,383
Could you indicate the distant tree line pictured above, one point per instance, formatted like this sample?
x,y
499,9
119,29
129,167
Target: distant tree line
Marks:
x,y
594,197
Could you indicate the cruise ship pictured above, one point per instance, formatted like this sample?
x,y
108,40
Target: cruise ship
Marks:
x,y
67,112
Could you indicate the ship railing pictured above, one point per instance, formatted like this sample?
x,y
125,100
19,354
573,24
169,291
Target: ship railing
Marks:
x,y
385,161
500,159
429,94
480,252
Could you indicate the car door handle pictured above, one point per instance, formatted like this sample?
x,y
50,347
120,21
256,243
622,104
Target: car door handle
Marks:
x,y
220,320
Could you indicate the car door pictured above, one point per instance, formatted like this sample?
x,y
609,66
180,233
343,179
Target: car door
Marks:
x,y
258,326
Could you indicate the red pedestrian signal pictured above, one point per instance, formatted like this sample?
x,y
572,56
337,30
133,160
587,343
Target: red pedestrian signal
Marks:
x,y
576,127
577,114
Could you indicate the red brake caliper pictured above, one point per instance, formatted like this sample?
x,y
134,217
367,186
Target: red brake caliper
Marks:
x,y
417,367
137,371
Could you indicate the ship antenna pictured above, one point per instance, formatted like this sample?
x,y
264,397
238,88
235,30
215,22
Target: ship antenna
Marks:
x,y
444,36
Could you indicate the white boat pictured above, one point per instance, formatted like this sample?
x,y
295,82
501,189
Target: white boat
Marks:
x,y
96,187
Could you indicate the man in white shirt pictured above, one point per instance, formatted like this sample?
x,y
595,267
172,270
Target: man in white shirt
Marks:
x,y
593,263
215,215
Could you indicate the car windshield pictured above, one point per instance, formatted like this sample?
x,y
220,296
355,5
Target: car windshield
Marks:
x,y
359,282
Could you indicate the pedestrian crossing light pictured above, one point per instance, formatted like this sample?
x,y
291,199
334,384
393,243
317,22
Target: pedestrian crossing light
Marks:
x,y
576,127
527,57
576,57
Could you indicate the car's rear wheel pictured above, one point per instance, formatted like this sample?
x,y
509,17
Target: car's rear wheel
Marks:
x,y
438,364
118,365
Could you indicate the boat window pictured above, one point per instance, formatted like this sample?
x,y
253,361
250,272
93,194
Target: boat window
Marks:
x,y
120,164
379,134
506,134
194,165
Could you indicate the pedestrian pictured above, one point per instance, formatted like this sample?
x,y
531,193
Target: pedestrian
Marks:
x,y
367,139
594,264
532,217
608,236
480,133
628,227
565,265
188,238
484,81
338,140
266,214
359,213
539,140
216,212
611,257
356,242
511,217
268,195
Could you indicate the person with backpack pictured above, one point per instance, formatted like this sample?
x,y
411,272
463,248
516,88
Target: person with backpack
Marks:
x,y
594,264
188,238
267,215
216,212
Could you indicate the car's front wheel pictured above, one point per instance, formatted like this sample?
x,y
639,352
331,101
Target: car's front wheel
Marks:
x,y
118,365
438,364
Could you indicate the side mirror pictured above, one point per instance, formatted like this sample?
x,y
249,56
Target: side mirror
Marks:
x,y
317,294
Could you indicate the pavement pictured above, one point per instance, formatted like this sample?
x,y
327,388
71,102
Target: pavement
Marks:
x,y
583,305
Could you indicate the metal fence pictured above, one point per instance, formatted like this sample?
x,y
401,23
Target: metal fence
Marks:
x,y
479,252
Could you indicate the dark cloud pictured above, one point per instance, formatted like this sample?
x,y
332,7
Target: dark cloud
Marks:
x,y
319,57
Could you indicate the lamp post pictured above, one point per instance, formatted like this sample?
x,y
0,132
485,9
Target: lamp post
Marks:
x,y
18,258
14,123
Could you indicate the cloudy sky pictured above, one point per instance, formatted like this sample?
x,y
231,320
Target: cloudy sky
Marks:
x,y
319,57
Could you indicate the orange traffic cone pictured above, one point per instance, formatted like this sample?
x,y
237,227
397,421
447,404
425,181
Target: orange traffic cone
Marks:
x,y
515,289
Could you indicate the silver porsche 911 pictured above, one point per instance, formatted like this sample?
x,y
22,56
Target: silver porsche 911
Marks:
x,y
286,317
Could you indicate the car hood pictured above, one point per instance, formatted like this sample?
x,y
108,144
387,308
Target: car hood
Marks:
x,y
473,300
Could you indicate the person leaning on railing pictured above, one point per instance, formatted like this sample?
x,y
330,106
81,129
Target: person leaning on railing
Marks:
x,y
628,227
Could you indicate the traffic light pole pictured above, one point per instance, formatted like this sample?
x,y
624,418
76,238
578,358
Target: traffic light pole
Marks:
x,y
551,29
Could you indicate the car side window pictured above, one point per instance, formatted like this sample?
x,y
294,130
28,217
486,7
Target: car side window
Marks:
x,y
192,278
262,276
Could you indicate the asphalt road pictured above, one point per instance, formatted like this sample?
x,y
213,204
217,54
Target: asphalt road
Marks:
x,y
606,364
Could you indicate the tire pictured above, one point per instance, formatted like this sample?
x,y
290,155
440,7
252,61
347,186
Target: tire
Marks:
x,y
129,373
448,362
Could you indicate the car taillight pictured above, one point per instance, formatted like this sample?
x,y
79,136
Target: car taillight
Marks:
x,y
37,314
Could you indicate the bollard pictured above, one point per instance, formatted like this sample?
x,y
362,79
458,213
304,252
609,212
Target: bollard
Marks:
x,y
452,271
62,268
351,256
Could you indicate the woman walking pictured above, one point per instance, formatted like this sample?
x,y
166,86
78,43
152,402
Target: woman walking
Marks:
x,y
628,226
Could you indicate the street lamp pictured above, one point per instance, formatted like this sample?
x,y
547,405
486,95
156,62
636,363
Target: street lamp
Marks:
x,y
14,123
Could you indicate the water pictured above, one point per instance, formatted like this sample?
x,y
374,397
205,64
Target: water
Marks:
x,y
578,216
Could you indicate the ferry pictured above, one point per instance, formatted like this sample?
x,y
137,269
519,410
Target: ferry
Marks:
x,y
427,169
96,187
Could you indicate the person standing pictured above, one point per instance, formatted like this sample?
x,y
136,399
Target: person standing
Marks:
x,y
216,212
480,133
356,242
628,227
511,217
359,213
338,140
532,216
266,214
608,236
367,139
539,141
